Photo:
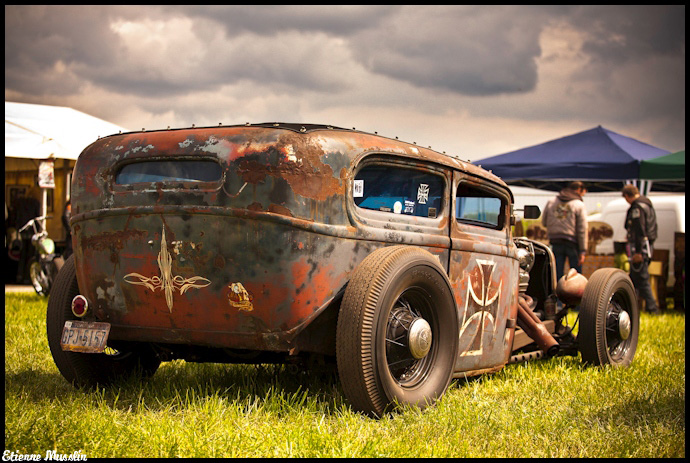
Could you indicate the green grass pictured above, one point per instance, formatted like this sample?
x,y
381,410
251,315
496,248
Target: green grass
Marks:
x,y
546,408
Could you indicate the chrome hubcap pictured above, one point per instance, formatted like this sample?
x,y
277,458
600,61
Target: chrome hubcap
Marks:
x,y
624,325
419,338
409,348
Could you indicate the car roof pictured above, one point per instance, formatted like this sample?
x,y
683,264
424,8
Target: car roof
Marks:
x,y
411,150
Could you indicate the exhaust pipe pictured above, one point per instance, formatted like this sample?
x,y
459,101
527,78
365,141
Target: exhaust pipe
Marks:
x,y
528,321
519,358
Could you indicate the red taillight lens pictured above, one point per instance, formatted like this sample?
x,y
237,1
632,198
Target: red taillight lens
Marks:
x,y
79,306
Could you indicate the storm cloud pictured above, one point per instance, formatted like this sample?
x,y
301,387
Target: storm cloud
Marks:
x,y
561,68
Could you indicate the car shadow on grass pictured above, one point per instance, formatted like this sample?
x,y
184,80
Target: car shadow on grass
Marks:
x,y
248,386
178,385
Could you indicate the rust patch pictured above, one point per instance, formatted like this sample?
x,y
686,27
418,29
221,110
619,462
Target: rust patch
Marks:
x,y
282,210
313,284
299,161
255,206
111,240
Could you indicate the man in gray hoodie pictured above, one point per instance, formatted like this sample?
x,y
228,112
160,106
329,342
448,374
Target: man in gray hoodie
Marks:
x,y
565,219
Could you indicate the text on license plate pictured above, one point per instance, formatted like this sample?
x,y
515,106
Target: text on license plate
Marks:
x,y
89,337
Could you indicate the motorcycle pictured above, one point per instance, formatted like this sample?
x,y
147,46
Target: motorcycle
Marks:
x,y
47,263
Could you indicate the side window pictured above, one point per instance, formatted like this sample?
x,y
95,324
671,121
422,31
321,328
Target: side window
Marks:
x,y
478,207
399,190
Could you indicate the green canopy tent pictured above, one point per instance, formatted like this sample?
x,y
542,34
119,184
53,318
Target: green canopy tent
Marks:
x,y
667,172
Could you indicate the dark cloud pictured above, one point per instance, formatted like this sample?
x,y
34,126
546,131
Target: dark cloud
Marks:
x,y
469,50
290,59
341,20
472,50
278,46
43,43
615,34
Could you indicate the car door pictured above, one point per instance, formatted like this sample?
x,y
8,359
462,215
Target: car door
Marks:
x,y
483,271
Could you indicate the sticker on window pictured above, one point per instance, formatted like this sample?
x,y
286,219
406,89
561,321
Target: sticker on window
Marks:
x,y
397,207
358,189
422,193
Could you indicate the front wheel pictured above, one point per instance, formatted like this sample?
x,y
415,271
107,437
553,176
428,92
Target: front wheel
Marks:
x,y
609,319
82,369
397,332
40,280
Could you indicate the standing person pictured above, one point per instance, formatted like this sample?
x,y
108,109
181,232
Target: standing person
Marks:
x,y
68,231
27,208
640,222
565,219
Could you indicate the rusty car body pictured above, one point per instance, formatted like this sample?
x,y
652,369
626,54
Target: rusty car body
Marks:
x,y
309,243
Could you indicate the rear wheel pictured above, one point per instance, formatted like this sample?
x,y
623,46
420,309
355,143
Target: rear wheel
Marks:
x,y
396,338
609,319
83,369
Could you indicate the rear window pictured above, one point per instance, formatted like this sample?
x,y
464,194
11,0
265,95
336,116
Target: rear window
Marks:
x,y
169,171
399,190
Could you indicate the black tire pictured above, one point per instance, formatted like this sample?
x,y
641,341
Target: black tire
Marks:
x,y
394,289
609,319
83,369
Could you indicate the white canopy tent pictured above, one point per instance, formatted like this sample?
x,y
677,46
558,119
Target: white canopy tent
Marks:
x,y
41,132
37,133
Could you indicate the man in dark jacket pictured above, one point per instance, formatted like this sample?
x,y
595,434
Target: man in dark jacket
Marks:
x,y
27,208
640,222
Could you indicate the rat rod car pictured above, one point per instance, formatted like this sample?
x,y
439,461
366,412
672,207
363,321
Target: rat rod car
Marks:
x,y
292,243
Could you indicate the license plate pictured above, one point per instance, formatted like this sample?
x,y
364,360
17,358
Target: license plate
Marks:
x,y
88,337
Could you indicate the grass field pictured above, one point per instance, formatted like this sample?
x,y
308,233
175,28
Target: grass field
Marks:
x,y
546,408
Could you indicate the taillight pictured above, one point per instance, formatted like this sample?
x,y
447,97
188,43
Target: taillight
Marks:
x,y
79,305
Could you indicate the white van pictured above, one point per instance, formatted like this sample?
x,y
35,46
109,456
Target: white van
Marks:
x,y
670,217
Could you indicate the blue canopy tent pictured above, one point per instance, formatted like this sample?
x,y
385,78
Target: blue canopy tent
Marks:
x,y
603,159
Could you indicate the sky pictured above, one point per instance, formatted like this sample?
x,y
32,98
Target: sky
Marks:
x,y
471,81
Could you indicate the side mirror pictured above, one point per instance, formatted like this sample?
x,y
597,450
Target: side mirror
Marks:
x,y
532,212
